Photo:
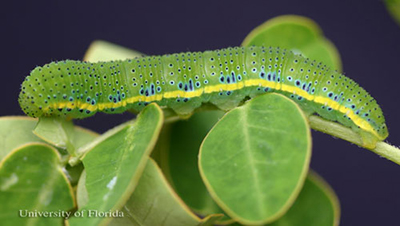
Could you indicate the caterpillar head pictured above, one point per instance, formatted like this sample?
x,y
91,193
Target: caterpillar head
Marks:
x,y
49,91
30,95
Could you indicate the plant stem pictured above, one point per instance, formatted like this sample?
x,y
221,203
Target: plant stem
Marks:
x,y
383,149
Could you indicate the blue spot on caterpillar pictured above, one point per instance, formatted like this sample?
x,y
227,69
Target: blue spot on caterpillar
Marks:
x,y
184,81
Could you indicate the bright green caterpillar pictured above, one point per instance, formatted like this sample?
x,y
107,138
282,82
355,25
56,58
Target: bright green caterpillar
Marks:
x,y
184,81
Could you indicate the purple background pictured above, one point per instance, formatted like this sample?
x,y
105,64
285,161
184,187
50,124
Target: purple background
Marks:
x,y
366,36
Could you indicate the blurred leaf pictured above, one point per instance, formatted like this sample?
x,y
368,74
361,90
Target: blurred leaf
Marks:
x,y
316,204
114,166
31,180
154,202
81,192
255,159
104,51
180,143
299,34
62,133
14,132
393,7
56,131
17,130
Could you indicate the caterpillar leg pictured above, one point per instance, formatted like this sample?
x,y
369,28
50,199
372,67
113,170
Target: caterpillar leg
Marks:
x,y
368,140
171,116
185,116
133,111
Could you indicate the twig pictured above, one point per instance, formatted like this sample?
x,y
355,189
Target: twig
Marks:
x,y
382,148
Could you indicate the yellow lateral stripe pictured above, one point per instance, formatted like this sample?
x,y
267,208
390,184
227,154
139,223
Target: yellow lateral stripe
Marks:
x,y
223,87
297,91
260,82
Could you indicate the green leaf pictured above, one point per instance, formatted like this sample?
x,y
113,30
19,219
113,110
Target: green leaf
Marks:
x,y
62,133
154,202
393,6
299,34
32,180
179,157
104,51
89,146
316,204
255,159
14,132
82,197
56,131
113,167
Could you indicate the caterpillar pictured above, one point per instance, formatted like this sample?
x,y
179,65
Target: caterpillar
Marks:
x,y
185,81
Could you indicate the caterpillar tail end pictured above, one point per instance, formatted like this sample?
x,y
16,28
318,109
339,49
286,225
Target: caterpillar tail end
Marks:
x,y
370,140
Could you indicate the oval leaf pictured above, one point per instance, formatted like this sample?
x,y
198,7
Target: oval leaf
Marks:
x,y
255,160
113,167
32,183
317,204
297,33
